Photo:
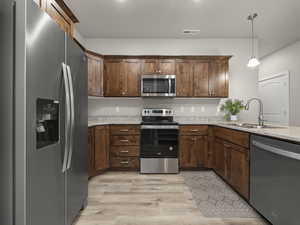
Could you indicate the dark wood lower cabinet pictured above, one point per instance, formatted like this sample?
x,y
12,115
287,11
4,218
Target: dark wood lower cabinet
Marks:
x,y
220,158
232,164
192,150
118,147
98,150
124,147
192,146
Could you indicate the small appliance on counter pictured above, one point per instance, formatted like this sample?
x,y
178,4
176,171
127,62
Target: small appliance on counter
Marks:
x,y
159,142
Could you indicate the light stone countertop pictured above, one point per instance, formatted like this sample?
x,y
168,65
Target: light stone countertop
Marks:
x,y
287,133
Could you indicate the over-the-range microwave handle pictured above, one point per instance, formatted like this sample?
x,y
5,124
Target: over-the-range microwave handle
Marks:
x,y
72,130
277,151
67,116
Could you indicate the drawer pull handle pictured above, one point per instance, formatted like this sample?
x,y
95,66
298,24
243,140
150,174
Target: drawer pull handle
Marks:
x,y
125,130
124,151
124,162
194,130
124,140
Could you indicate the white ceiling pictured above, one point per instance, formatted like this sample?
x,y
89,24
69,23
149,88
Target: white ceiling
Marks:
x,y
278,23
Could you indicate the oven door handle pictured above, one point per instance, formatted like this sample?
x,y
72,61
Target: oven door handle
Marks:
x,y
277,151
159,127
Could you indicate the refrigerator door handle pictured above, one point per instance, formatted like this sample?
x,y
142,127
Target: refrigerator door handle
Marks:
x,y
67,117
72,118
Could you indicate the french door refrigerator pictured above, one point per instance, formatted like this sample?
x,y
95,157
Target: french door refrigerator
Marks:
x,y
43,86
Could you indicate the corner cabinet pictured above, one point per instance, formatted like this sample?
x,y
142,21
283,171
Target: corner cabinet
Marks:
x,y
95,75
122,77
98,150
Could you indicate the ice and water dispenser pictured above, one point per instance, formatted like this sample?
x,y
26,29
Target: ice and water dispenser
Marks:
x,y
47,122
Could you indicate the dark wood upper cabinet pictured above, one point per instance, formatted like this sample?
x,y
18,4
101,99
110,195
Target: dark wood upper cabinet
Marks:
x,y
60,13
114,78
95,75
166,66
150,66
159,66
201,79
218,78
184,78
132,71
122,78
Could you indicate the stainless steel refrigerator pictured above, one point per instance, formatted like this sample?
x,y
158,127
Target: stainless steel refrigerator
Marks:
x,y
43,116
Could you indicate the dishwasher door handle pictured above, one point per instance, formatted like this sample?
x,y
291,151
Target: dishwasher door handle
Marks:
x,y
277,151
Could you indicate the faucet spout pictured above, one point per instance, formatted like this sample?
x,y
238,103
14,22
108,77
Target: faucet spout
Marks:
x,y
261,110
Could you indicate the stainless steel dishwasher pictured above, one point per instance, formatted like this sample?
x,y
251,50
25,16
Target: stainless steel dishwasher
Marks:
x,y
275,180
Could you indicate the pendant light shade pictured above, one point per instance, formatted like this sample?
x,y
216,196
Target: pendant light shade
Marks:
x,y
253,62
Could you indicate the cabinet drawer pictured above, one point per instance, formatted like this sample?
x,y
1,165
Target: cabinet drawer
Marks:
x,y
124,129
125,162
125,140
233,136
193,130
127,151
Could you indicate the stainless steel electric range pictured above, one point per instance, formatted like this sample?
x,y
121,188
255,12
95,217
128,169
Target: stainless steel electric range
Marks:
x,y
159,141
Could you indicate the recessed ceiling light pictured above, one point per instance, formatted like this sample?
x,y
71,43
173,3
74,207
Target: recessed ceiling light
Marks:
x,y
121,1
191,31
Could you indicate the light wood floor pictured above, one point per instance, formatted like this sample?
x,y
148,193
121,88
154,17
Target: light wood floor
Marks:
x,y
128,198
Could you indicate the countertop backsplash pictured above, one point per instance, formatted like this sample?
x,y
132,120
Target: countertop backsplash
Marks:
x,y
206,109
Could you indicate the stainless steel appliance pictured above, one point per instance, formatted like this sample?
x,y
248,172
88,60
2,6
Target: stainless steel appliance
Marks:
x,y
159,142
44,119
275,179
158,85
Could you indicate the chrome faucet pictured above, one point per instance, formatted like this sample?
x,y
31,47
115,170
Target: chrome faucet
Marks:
x,y
261,110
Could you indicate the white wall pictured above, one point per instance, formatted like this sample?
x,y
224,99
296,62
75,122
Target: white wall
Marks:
x,y
242,82
79,37
282,60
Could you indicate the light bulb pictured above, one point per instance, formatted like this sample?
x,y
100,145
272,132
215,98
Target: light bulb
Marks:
x,y
253,62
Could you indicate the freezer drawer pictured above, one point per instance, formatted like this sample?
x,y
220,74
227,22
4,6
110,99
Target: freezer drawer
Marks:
x,y
275,180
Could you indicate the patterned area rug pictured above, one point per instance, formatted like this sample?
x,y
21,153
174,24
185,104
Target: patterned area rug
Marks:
x,y
215,198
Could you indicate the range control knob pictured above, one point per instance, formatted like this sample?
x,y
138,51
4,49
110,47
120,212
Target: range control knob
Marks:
x,y
171,148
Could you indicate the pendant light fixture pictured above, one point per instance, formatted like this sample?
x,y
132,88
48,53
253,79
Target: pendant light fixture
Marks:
x,y
253,62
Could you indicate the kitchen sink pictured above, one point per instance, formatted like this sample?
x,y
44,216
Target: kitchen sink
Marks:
x,y
254,126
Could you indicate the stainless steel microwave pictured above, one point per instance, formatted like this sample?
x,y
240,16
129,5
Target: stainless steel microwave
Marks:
x,y
158,85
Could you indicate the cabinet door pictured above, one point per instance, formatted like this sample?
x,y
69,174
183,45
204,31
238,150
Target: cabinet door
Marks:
x,y
201,75
220,158
239,170
218,78
59,16
95,75
114,78
101,148
192,149
184,78
167,66
132,71
150,66
91,145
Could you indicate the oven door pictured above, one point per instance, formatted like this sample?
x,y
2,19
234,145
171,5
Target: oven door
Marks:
x,y
158,85
159,141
